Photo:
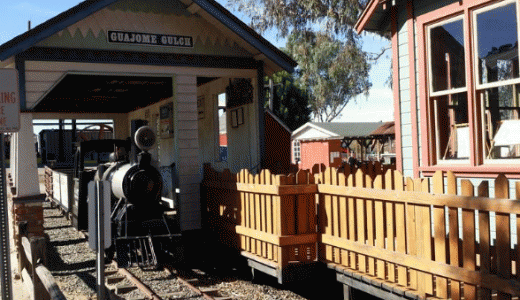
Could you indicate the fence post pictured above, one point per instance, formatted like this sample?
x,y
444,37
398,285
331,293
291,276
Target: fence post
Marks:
x,y
37,245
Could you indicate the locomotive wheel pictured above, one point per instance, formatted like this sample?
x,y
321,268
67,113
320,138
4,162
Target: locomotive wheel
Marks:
x,y
101,131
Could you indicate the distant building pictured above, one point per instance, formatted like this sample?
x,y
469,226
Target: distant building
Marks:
x,y
331,144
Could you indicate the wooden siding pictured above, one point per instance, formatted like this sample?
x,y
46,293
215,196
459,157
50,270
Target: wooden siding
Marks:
x,y
405,98
242,141
156,17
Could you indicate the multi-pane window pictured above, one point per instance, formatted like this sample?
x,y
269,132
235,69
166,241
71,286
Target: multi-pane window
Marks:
x,y
496,81
448,93
296,151
496,59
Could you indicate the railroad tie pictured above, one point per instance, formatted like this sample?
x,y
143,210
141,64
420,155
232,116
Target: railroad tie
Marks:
x,y
111,280
124,288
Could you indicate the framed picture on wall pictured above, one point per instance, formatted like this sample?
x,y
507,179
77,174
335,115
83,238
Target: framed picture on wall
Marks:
x,y
234,118
200,107
166,120
240,115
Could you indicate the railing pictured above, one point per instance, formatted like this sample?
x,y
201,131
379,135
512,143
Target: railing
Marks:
x,y
418,236
37,279
270,218
382,229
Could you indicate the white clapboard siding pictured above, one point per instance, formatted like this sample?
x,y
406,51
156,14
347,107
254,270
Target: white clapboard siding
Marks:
x,y
188,164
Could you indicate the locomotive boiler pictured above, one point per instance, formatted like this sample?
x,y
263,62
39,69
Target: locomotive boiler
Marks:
x,y
144,227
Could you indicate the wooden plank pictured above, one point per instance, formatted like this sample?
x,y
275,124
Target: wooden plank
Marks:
x,y
484,239
477,203
335,215
343,220
352,221
328,215
243,179
379,217
271,190
361,217
370,221
283,240
503,242
277,216
400,229
269,213
390,226
468,239
453,240
252,211
423,238
429,266
411,234
258,216
49,283
439,219
263,212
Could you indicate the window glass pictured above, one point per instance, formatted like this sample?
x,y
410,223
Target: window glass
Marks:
x,y
497,44
452,130
447,56
501,123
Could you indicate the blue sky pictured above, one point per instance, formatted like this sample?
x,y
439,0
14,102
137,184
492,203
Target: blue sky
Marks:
x,y
14,17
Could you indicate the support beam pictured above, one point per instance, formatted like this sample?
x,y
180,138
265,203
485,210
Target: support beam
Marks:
x,y
26,174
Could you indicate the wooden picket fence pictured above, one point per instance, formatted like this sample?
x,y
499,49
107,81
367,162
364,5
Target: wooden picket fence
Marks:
x,y
402,233
270,218
382,229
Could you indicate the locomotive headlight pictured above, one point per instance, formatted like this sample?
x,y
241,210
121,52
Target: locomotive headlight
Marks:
x,y
145,138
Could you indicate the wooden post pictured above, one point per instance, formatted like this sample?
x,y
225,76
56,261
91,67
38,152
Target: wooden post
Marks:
x,y
37,247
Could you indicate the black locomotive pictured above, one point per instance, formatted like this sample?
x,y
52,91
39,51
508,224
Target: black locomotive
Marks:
x,y
144,228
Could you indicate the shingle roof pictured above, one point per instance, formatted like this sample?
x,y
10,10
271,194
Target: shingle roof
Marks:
x,y
387,128
359,129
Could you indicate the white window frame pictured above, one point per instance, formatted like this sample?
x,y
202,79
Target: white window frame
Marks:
x,y
433,96
479,87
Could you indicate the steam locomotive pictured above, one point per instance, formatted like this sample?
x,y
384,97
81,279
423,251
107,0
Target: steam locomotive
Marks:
x,y
143,226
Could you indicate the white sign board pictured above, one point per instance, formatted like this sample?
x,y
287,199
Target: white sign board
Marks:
x,y
9,101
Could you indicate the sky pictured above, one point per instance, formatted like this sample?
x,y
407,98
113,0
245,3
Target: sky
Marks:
x,y
378,106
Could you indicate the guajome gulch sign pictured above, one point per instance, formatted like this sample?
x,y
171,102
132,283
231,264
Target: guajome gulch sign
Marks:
x,y
150,39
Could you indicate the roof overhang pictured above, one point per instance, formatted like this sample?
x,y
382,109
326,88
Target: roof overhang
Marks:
x,y
266,51
376,17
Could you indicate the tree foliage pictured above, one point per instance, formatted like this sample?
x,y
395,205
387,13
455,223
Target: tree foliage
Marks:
x,y
334,16
332,71
290,102
332,67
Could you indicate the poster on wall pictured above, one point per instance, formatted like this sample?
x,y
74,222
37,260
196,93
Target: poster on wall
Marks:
x,y
200,106
166,120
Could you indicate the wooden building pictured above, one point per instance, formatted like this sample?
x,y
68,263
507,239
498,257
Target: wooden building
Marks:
x,y
171,63
330,144
455,84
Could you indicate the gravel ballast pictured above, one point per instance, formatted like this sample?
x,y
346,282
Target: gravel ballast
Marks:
x,y
72,264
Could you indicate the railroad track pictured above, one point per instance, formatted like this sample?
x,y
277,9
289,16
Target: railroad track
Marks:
x,y
136,284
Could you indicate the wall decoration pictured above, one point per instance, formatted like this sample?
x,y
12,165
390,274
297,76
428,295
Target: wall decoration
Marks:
x,y
166,117
240,117
237,117
234,118
239,92
200,107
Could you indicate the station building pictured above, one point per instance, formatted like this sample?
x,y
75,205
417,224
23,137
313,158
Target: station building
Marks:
x,y
176,64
